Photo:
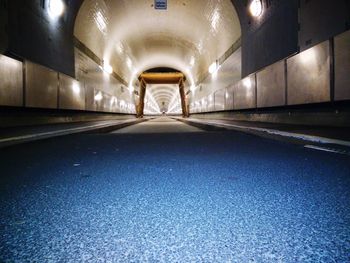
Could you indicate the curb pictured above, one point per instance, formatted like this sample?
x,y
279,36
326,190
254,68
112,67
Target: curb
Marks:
x,y
87,129
269,133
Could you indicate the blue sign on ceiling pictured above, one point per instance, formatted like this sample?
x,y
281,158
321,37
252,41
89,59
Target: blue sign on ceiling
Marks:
x,y
161,4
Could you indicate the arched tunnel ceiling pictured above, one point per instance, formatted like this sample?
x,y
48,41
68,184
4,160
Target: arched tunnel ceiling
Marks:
x,y
164,93
133,37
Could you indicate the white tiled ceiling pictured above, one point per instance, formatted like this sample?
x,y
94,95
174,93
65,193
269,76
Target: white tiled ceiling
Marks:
x,y
133,37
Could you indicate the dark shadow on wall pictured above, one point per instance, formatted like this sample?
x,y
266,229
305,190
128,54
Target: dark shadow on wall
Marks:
x,y
269,38
322,19
35,36
3,26
287,27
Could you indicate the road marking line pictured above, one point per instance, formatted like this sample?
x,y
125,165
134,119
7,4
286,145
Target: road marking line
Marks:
x,y
304,137
314,147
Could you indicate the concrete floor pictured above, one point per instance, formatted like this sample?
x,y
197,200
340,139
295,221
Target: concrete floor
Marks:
x,y
172,197
159,125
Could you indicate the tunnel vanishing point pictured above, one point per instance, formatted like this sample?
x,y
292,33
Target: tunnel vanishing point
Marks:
x,y
175,131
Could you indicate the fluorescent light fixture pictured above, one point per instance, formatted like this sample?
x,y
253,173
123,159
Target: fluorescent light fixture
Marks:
x,y
256,8
107,68
56,8
98,96
213,68
76,88
192,61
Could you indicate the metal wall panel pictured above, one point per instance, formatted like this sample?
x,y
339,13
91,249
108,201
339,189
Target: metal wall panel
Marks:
x,y
203,105
107,102
211,103
220,100
309,76
89,98
41,86
11,82
114,106
342,66
94,79
228,73
100,103
229,98
271,86
71,94
245,93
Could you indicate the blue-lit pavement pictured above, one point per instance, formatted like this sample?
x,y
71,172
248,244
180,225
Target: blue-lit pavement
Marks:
x,y
173,197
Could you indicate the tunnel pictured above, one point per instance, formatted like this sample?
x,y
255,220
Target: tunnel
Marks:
x,y
174,131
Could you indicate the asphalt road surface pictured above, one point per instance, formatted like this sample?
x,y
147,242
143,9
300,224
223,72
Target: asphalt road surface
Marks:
x,y
163,191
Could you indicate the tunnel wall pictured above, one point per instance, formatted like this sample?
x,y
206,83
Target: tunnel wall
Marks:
x,y
322,19
319,74
286,27
33,35
3,26
270,37
27,32
27,84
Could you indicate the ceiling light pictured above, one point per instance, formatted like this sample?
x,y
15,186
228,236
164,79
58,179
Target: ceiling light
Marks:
x,y
129,63
213,68
192,61
256,8
99,96
56,8
107,68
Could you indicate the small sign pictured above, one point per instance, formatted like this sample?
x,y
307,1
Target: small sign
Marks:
x,y
161,4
